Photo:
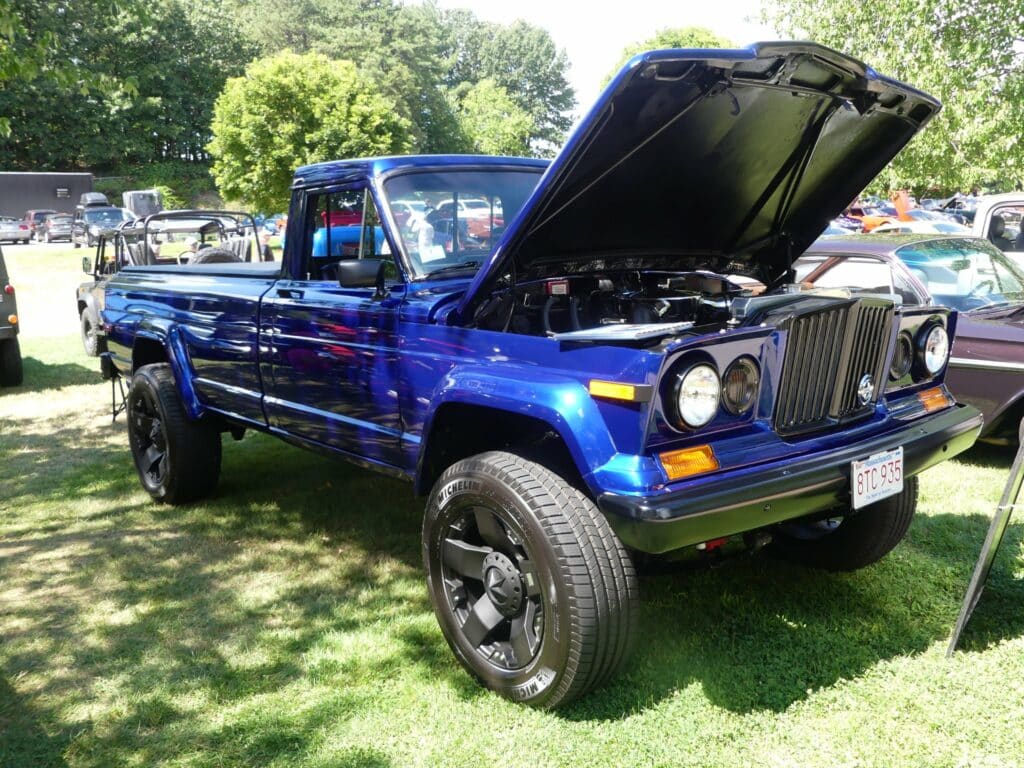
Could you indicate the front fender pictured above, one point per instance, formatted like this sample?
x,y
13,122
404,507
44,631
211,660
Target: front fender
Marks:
x,y
559,401
169,336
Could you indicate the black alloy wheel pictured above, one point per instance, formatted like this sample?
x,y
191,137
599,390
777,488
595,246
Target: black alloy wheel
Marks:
x,y
148,438
533,591
492,587
177,458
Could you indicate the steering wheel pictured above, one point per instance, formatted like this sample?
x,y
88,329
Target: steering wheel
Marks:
x,y
977,292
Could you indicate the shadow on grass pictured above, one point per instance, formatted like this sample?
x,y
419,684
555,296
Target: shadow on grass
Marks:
x,y
22,741
759,634
40,376
292,599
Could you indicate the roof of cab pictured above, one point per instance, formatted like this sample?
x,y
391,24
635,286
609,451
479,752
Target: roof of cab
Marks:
x,y
339,171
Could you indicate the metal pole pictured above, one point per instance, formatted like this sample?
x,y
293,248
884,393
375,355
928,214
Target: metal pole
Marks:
x,y
996,531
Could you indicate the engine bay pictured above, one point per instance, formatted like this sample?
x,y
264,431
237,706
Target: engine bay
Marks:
x,y
616,301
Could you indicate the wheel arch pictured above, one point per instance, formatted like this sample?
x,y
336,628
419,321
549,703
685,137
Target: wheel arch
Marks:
x,y
157,345
549,419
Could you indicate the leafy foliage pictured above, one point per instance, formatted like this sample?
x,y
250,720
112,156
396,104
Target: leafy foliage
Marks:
x,y
289,110
492,122
970,55
672,37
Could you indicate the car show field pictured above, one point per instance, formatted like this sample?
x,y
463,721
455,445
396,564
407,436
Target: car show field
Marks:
x,y
285,621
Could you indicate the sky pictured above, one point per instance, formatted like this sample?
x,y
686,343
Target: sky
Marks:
x,y
593,34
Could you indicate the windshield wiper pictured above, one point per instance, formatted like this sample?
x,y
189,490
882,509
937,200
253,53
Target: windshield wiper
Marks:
x,y
454,268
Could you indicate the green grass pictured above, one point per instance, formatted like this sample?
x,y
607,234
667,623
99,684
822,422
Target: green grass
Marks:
x,y
286,623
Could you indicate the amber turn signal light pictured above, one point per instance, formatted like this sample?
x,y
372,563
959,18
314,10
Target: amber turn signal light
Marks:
x,y
613,390
12,319
934,399
688,462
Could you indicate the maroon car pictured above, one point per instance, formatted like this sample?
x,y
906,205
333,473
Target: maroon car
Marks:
x,y
986,367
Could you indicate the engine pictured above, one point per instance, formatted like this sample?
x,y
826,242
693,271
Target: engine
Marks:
x,y
567,305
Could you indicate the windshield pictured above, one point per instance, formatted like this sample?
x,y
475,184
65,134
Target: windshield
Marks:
x,y
109,217
964,273
463,214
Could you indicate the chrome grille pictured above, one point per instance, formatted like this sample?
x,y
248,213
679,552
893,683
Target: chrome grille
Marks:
x,y
828,353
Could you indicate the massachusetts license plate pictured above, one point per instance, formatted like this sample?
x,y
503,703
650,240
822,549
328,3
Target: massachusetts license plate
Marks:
x,y
877,477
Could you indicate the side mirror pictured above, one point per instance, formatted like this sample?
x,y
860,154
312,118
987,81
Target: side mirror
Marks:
x,y
362,273
86,265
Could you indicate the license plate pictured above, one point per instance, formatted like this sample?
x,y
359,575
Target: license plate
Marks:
x,y
877,477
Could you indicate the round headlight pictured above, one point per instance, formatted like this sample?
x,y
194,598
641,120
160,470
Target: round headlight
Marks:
x,y
936,349
739,385
697,395
902,357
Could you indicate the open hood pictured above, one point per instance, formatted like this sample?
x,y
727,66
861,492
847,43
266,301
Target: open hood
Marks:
x,y
730,160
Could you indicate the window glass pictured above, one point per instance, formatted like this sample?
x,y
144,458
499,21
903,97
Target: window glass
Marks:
x,y
1004,229
450,220
964,273
856,272
343,224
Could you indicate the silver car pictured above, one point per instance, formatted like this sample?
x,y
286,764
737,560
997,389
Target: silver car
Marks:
x,y
11,229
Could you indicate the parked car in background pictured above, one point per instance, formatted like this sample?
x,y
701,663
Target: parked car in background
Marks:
x,y
11,374
91,223
33,219
986,366
56,226
998,218
13,229
143,202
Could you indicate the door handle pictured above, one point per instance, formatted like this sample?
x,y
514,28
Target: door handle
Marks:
x,y
290,293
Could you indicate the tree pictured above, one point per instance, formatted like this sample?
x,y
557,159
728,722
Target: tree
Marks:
x,y
493,122
673,37
522,59
290,110
970,55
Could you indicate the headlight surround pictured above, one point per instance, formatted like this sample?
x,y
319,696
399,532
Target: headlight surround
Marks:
x,y
935,349
697,395
902,357
740,385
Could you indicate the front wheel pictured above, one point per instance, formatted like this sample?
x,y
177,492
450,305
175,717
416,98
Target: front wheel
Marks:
x,y
534,593
853,541
178,459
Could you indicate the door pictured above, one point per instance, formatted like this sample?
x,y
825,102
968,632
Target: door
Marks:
x,y
334,350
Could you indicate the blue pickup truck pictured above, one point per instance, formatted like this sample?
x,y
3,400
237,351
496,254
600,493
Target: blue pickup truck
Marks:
x,y
575,361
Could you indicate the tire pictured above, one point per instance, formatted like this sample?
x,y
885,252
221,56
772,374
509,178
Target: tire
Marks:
x,y
75,242
91,341
12,373
178,459
215,256
534,593
89,241
860,539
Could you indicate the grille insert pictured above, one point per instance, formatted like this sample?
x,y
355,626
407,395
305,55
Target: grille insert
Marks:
x,y
828,353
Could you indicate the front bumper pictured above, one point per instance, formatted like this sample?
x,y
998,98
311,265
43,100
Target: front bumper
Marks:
x,y
780,491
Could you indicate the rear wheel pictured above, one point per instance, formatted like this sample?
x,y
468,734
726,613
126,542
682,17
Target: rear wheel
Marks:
x,y
534,593
854,541
91,341
11,371
178,459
